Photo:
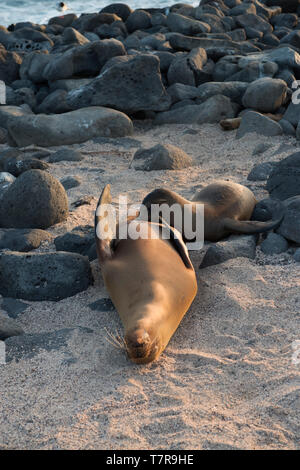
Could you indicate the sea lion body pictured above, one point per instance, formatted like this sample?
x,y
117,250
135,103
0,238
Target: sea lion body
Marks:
x,y
151,286
228,207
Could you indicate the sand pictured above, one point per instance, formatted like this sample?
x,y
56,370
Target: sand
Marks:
x,y
226,379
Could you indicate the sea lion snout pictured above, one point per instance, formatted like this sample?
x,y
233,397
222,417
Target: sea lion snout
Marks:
x,y
140,348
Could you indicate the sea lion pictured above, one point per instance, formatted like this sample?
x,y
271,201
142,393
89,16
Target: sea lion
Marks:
x,y
228,207
151,282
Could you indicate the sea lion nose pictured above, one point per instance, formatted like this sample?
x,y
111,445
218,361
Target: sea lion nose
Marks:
x,y
138,339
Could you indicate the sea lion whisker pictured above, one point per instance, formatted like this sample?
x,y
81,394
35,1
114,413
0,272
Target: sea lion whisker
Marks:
x,y
114,339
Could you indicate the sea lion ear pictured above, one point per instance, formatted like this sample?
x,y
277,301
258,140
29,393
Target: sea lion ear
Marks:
x,y
104,234
178,243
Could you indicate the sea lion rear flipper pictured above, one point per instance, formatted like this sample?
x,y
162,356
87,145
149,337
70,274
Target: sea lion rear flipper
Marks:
x,y
178,243
250,226
103,233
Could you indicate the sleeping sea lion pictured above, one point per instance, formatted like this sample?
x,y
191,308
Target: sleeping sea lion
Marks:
x,y
151,282
228,207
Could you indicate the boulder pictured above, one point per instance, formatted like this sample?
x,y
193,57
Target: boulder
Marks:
x,y
13,307
142,88
254,21
187,69
14,162
261,172
287,6
233,90
68,128
9,327
22,239
86,60
120,9
184,25
7,112
256,122
80,240
284,181
43,276
213,110
161,157
265,95
54,103
274,244
290,226
35,200
138,20
9,65
234,247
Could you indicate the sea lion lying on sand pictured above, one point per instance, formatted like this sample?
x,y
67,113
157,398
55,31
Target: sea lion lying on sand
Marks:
x,y
151,282
228,208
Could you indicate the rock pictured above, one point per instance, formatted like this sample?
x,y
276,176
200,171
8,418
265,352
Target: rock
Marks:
x,y
120,9
213,110
234,247
253,71
287,20
143,89
78,61
67,155
13,307
64,21
22,239
35,200
6,179
161,157
8,327
187,69
214,48
256,122
287,6
180,92
68,128
184,25
43,276
72,36
234,90
284,181
138,20
16,164
70,84
265,95
261,171
70,182
261,148
254,21
274,244
79,240
54,103
290,226
292,114
7,112
297,255
83,201
287,127
3,136
21,96
28,346
267,209
230,124
9,65
284,57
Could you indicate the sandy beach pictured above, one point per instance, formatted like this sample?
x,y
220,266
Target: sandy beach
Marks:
x,y
226,379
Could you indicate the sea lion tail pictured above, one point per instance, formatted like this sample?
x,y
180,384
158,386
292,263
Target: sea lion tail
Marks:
x,y
103,241
250,226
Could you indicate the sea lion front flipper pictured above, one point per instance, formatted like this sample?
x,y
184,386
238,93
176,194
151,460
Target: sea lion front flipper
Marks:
x,y
178,243
103,234
250,226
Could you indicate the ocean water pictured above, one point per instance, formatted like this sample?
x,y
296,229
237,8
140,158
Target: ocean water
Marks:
x,y
39,11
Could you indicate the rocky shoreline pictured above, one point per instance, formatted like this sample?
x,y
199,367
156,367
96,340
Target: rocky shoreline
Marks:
x,y
129,94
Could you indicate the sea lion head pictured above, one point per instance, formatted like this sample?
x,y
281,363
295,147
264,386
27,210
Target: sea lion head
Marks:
x,y
141,347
